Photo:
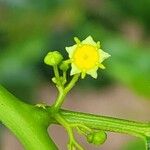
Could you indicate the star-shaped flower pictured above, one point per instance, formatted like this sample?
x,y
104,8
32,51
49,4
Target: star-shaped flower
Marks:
x,y
86,57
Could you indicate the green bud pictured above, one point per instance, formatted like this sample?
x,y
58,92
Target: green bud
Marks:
x,y
97,138
53,58
64,66
54,80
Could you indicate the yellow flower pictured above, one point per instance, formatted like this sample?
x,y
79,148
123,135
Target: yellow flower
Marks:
x,y
86,57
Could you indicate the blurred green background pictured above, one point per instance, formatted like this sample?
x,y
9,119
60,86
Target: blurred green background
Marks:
x,y
31,28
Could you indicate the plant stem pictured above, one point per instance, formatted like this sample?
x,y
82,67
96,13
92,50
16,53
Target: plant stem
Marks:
x,y
72,83
56,72
28,123
138,129
63,92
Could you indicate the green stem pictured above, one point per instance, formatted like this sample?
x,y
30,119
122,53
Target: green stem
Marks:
x,y
107,123
72,141
59,84
56,72
28,123
64,77
63,92
72,83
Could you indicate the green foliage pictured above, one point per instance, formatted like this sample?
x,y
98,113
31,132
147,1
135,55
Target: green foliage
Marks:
x,y
130,65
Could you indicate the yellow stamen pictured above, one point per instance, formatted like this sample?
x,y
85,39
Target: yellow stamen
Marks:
x,y
86,57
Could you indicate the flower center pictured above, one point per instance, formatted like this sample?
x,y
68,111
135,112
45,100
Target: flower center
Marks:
x,y
86,57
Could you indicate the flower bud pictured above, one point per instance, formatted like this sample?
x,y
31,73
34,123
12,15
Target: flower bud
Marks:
x,y
53,58
54,80
97,138
64,66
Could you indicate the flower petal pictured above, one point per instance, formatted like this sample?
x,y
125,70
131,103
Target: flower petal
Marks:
x,y
74,69
89,40
71,50
103,55
93,72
